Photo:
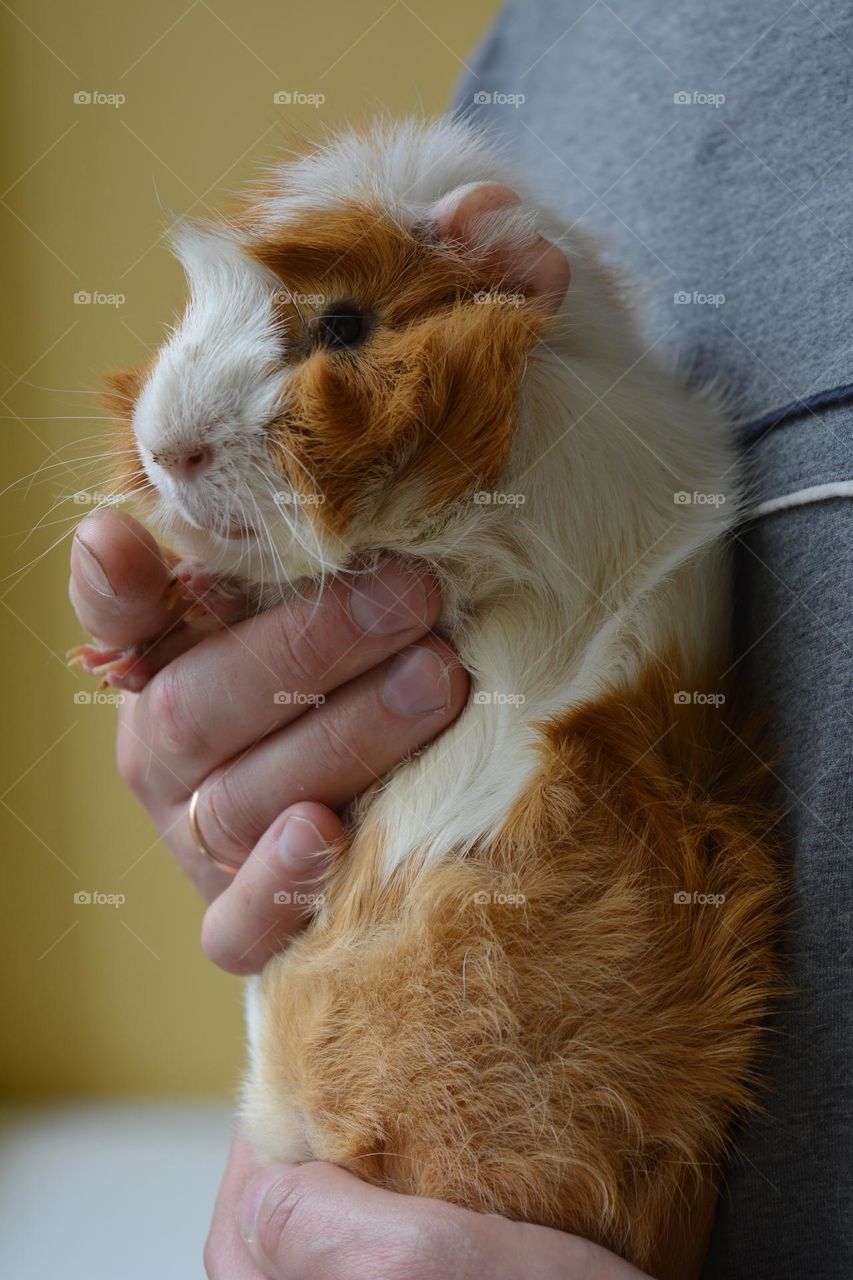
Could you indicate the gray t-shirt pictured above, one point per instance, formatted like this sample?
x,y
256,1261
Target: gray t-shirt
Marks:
x,y
710,141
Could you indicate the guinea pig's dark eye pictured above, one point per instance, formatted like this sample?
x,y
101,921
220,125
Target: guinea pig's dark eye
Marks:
x,y
342,325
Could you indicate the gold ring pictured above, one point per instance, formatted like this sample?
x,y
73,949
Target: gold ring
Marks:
x,y
201,845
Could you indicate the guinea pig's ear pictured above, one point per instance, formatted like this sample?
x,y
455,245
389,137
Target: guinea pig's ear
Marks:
x,y
490,219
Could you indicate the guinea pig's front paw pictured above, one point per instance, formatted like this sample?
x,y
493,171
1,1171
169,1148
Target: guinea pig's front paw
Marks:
x,y
202,602
201,595
118,668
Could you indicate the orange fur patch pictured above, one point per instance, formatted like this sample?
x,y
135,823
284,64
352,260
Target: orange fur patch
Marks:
x,y
430,395
128,476
544,1030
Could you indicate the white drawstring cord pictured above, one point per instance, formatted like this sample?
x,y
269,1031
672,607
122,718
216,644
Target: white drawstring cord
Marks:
x,y
802,497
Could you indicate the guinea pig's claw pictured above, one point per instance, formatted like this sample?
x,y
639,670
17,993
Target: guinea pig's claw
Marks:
x,y
112,665
205,597
173,595
91,658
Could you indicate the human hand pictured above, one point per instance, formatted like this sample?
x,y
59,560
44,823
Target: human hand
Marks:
x,y
210,720
317,1222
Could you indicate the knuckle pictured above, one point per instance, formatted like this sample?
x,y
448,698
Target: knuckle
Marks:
x,y
169,704
230,819
336,751
279,1216
296,653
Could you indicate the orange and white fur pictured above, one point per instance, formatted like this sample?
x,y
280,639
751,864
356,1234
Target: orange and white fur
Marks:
x,y
537,980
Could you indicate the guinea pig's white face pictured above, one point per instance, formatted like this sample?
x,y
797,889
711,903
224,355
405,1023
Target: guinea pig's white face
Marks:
x,y
202,418
337,380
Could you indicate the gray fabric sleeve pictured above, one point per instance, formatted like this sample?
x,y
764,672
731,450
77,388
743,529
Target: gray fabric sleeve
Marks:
x,y
747,198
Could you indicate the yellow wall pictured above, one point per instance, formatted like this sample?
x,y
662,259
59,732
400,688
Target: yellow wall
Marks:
x,y
104,999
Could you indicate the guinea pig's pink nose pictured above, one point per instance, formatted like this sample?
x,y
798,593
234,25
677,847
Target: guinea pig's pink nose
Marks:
x,y
185,464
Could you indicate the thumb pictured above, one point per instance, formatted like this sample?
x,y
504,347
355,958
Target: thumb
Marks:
x,y
119,577
318,1222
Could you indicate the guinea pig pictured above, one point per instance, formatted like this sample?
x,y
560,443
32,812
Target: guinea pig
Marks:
x,y
538,974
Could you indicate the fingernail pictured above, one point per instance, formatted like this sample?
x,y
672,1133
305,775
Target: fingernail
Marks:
x,y
91,568
253,1197
417,682
300,845
392,600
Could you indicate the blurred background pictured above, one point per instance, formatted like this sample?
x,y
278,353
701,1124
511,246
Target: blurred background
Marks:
x,y
122,1044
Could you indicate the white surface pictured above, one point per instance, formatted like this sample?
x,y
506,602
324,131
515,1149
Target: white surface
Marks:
x,y
109,1192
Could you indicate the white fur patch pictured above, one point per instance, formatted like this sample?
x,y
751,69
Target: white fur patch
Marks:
x,y
217,379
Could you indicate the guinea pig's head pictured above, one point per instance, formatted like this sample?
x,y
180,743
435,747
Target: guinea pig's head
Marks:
x,y
345,375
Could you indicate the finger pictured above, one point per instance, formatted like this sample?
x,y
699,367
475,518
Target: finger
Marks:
x,y
261,674
225,1254
331,754
336,751
118,580
318,1221
272,896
